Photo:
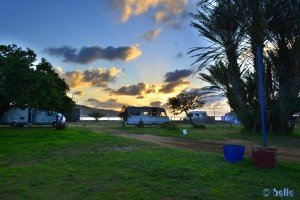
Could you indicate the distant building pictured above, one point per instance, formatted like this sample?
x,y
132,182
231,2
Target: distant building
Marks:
x,y
230,117
199,117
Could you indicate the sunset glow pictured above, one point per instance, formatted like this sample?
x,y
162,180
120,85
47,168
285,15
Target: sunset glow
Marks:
x,y
112,52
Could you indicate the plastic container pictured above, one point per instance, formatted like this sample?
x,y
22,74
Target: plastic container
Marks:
x,y
233,153
265,157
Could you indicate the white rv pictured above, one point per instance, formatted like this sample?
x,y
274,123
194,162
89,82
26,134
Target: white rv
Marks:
x,y
18,117
197,115
148,115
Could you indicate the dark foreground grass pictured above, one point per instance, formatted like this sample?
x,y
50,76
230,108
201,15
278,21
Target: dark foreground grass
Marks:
x,y
72,164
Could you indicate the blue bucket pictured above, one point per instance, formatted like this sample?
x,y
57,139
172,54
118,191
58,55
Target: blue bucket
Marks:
x,y
233,153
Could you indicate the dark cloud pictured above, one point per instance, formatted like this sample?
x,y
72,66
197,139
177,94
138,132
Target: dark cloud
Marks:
x,y
78,93
137,89
107,89
172,86
177,75
89,54
159,104
151,89
133,90
100,77
179,55
110,103
156,103
151,35
90,77
141,89
140,97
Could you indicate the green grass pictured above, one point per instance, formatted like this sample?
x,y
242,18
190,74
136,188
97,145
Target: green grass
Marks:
x,y
215,132
42,163
219,132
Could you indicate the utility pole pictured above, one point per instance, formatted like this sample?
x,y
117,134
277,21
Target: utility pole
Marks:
x,y
261,90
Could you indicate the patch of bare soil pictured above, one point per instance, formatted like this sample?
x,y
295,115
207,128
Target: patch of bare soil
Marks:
x,y
21,164
287,154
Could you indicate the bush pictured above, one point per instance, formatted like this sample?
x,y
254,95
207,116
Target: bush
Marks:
x,y
169,125
200,126
60,126
123,124
141,124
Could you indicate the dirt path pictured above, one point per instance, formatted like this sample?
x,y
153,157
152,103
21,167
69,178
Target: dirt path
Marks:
x,y
287,154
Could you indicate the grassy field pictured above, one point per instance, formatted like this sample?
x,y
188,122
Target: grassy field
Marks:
x,y
43,163
219,131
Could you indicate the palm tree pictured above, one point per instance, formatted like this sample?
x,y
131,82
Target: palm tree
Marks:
x,y
235,28
285,61
220,24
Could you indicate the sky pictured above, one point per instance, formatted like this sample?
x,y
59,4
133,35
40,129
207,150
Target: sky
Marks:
x,y
112,52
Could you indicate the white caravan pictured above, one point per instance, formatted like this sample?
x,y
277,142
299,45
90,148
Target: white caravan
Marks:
x,y
148,115
18,117
197,115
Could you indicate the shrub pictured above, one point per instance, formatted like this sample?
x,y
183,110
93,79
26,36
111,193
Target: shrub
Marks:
x,y
200,126
169,125
60,126
141,123
123,124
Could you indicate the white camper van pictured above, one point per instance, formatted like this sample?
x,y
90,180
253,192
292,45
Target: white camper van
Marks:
x,y
149,115
197,116
18,117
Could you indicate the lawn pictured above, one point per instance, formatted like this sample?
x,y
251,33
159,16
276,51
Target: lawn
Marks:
x,y
43,163
218,131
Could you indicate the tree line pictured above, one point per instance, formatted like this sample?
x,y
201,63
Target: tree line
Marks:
x,y
25,83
